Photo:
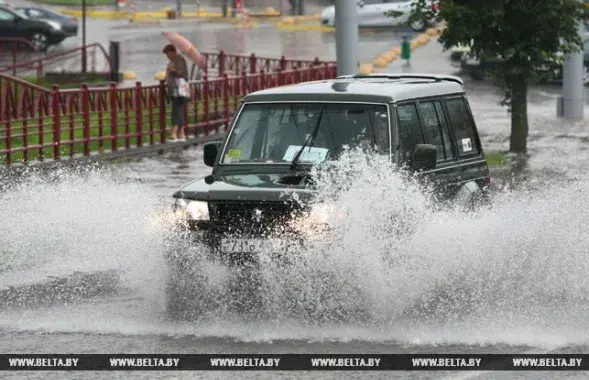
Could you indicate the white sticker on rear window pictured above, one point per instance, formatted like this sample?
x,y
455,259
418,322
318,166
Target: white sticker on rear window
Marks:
x,y
466,145
310,154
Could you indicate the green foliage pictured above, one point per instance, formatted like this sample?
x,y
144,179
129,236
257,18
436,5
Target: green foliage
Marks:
x,y
525,34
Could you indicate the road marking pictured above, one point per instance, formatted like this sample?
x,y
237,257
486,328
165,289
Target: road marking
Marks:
x,y
474,374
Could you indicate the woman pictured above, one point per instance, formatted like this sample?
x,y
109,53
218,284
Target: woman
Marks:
x,y
176,69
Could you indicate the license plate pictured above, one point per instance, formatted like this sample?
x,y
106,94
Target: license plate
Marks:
x,y
253,245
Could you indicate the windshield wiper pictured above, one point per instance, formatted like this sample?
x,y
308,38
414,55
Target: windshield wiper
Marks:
x,y
295,161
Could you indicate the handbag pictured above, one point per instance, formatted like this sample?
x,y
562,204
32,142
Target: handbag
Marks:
x,y
182,88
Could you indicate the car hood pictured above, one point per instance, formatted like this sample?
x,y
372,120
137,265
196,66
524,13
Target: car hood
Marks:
x,y
253,187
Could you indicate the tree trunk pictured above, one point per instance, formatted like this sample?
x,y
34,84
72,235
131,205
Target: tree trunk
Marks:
x,y
519,116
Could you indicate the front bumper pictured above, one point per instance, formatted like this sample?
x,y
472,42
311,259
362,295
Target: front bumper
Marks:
x,y
240,250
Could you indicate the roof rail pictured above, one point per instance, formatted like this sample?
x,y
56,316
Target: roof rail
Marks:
x,y
435,77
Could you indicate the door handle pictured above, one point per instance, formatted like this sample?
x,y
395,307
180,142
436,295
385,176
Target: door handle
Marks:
x,y
459,178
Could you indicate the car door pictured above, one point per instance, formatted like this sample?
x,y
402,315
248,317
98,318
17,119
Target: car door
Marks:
x,y
8,27
436,132
471,165
370,12
401,9
410,132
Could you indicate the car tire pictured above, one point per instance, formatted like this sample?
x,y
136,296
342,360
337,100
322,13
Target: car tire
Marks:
x,y
40,40
470,198
418,26
477,74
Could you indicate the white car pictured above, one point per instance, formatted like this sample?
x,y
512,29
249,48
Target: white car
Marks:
x,y
373,13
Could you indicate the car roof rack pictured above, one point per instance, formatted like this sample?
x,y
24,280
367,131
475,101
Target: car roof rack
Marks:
x,y
435,77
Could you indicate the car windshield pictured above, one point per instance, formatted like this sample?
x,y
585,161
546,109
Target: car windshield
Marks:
x,y
19,13
275,132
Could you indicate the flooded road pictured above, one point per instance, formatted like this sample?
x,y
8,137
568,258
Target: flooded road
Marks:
x,y
516,275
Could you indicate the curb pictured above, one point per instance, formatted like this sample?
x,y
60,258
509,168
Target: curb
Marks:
x,y
163,15
304,27
18,168
383,60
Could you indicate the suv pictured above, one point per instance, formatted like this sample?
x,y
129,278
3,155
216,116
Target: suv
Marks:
x,y
422,122
41,33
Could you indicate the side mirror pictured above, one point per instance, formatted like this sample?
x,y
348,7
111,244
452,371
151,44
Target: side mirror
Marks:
x,y
360,4
210,151
423,157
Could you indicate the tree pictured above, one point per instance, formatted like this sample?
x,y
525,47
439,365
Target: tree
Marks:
x,y
525,34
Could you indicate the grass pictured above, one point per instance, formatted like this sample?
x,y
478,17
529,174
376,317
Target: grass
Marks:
x,y
89,3
496,159
40,132
49,85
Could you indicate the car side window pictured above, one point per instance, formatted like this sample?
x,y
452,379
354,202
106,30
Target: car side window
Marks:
x,y
435,129
463,126
35,13
409,127
6,16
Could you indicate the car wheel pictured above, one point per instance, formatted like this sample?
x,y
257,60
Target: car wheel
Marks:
x,y
417,26
477,74
40,40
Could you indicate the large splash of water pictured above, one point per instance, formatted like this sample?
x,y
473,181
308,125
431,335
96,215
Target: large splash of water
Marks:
x,y
516,273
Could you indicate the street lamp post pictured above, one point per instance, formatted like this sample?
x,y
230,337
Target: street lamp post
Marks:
x,y
84,62
346,37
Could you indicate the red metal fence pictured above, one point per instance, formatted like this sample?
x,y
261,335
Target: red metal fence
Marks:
x,y
37,123
19,58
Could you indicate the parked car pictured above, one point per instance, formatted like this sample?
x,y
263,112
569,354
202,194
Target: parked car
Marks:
x,y
68,24
478,69
260,189
373,13
41,33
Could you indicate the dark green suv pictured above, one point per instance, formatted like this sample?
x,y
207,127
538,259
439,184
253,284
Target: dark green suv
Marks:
x,y
260,180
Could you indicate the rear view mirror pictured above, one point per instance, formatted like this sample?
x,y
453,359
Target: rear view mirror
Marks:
x,y
210,151
423,157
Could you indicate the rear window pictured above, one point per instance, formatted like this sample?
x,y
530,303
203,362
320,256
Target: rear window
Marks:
x,y
463,126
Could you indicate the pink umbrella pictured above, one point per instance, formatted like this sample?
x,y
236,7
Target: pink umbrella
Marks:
x,y
186,47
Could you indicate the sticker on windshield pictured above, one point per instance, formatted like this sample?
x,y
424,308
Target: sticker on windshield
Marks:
x,y
234,154
466,145
310,154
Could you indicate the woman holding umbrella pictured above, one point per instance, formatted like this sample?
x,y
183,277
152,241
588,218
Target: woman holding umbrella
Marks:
x,y
177,69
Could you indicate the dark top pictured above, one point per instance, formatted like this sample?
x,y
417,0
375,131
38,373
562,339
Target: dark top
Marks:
x,y
181,71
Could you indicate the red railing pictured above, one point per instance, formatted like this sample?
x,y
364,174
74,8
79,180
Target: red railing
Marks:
x,y
38,63
38,123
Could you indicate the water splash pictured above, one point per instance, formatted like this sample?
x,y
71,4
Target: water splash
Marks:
x,y
513,274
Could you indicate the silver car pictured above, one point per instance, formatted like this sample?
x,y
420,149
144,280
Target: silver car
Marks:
x,y
373,13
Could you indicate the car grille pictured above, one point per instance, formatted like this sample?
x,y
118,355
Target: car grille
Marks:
x,y
253,218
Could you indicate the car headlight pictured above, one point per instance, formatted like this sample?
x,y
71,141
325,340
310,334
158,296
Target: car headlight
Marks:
x,y
191,210
320,214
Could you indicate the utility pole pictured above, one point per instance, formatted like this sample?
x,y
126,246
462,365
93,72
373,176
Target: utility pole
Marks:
x,y
84,55
346,37
572,102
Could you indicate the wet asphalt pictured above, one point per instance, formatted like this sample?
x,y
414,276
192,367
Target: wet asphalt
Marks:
x,y
134,322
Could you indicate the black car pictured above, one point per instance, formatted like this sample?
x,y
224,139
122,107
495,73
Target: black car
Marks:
x,y
260,181
69,24
41,33
479,69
